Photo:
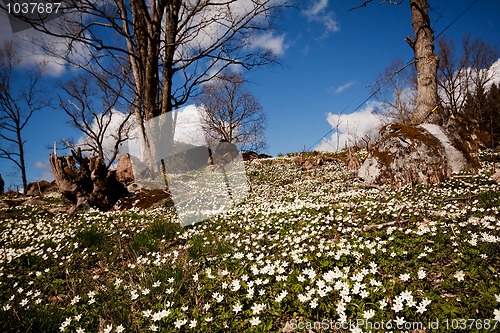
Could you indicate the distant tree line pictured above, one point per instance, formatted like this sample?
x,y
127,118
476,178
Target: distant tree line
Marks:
x,y
484,106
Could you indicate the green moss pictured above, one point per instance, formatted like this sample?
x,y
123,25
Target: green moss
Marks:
x,y
415,133
383,156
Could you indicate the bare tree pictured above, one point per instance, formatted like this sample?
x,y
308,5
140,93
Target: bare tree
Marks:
x,y
20,98
92,108
397,90
460,76
232,113
426,61
171,46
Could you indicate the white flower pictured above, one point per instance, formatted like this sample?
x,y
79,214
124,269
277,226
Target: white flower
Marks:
x,y
75,300
406,295
421,308
496,312
108,328
64,324
257,308
426,301
235,285
237,308
180,322
193,323
404,277
281,296
120,329
400,321
156,316
255,321
80,330
218,297
397,306
421,274
497,297
459,275
356,330
368,314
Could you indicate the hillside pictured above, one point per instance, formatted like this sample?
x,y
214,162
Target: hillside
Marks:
x,y
309,249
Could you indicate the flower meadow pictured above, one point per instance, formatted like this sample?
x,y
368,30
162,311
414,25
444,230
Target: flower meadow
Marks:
x,y
307,251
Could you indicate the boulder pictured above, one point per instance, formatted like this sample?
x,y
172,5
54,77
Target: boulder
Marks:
x,y
124,171
297,160
307,165
251,155
496,177
40,188
410,154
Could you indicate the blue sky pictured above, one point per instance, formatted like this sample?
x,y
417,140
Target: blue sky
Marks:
x,y
329,57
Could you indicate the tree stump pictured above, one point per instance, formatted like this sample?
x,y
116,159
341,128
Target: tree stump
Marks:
x,y
85,180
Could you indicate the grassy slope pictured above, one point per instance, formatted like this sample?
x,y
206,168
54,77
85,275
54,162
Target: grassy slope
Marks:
x,y
306,248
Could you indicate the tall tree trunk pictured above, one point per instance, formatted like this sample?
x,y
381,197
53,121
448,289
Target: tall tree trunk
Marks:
x,y
427,106
22,163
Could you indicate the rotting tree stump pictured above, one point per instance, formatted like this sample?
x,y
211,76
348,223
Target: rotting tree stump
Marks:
x,y
86,181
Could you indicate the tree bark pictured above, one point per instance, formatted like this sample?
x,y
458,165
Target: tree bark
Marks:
x,y
427,108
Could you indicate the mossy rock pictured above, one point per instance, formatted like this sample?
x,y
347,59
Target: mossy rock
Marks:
x,y
415,154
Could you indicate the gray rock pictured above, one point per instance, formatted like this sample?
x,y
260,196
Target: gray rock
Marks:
x,y
409,154
124,170
496,177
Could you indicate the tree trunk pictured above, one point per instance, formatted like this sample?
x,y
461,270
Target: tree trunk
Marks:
x,y
22,163
90,182
427,106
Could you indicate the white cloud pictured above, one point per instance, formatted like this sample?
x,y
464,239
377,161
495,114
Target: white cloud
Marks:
x,y
319,12
494,71
465,79
268,41
188,127
218,22
351,129
45,171
343,87
317,8
29,45
187,122
40,165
